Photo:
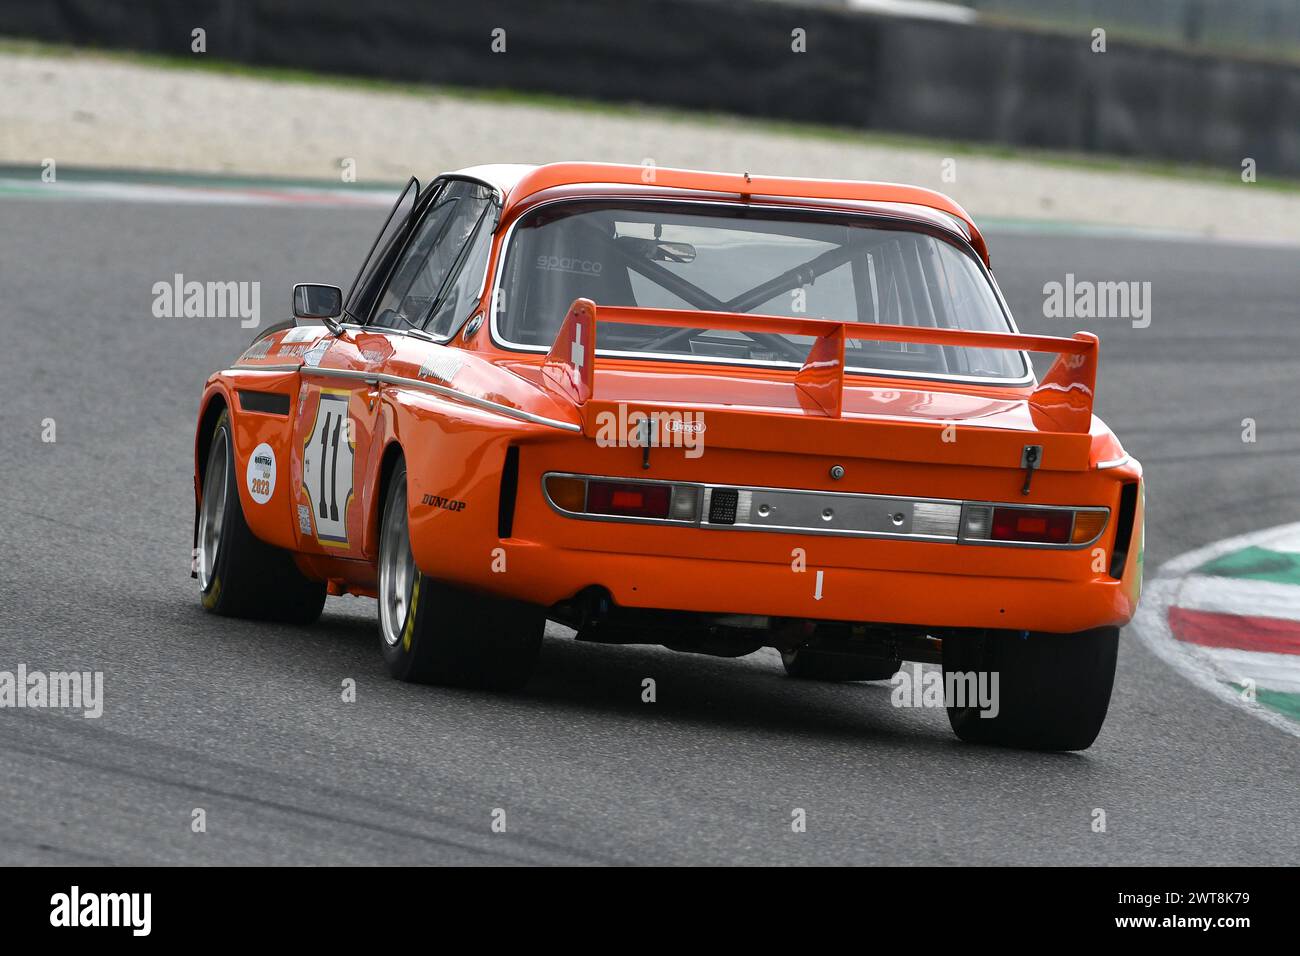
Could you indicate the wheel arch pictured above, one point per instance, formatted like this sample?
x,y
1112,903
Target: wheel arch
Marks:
x,y
393,453
214,404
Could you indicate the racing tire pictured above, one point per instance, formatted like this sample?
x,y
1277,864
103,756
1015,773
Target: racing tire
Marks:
x,y
807,663
433,633
1053,690
239,574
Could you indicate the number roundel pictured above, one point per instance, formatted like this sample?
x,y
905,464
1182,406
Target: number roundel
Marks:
x,y
327,479
260,473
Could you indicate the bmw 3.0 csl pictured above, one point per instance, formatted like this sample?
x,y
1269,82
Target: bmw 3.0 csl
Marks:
x,y
715,411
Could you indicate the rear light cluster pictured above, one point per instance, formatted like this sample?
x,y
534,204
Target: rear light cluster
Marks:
x,y
1061,526
624,499
800,511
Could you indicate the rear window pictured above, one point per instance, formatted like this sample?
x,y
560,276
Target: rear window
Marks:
x,y
747,259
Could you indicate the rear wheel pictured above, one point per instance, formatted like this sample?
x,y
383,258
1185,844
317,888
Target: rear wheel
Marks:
x,y
1051,691
432,633
813,664
239,574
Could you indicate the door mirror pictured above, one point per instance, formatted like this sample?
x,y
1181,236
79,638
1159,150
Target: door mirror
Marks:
x,y
318,303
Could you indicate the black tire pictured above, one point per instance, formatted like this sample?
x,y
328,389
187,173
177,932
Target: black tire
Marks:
x,y
439,634
248,577
807,663
1053,689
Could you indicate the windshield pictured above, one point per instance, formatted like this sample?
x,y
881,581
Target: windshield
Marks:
x,y
748,259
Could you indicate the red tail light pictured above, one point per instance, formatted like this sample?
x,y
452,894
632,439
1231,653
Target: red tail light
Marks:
x,y
1026,524
629,500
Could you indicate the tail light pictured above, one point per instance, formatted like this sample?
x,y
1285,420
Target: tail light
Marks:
x,y
624,499
1042,527
1088,526
567,494
1063,527
627,500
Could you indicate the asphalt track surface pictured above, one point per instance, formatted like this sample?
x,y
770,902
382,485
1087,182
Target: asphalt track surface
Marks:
x,y
246,720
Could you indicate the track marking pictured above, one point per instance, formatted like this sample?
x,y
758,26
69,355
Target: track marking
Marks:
x,y
1182,585
235,194
1225,596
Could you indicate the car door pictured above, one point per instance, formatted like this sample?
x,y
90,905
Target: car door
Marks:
x,y
393,299
335,429
335,432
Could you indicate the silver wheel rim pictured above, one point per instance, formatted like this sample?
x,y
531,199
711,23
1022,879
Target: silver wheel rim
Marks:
x,y
212,513
396,568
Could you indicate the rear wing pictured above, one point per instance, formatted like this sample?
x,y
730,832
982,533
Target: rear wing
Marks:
x,y
1064,397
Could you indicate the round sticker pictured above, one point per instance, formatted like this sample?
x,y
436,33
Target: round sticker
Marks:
x,y
261,473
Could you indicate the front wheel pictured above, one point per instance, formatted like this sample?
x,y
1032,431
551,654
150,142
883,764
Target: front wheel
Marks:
x,y
1030,689
432,633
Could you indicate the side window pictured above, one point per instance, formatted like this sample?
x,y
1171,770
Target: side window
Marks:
x,y
423,270
461,289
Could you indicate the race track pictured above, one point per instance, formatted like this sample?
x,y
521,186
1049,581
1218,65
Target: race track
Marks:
x,y
246,720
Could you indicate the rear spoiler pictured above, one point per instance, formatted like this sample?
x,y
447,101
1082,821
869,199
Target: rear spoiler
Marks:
x,y
1063,399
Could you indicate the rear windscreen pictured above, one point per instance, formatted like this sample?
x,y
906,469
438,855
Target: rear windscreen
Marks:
x,y
747,259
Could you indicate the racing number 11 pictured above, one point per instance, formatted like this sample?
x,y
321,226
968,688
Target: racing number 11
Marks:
x,y
333,512
327,469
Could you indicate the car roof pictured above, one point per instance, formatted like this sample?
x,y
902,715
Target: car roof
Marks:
x,y
517,182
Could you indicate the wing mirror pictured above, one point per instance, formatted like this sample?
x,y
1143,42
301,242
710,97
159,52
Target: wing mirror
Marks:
x,y
318,303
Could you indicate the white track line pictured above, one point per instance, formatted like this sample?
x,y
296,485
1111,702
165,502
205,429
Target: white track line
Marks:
x,y
1269,671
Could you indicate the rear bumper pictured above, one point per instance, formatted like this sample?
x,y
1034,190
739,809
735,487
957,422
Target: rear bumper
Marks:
x,y
547,558
546,576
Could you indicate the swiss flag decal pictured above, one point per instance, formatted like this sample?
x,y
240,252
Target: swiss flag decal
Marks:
x,y
571,364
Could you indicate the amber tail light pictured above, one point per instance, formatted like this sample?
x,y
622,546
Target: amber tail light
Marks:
x,y
1087,525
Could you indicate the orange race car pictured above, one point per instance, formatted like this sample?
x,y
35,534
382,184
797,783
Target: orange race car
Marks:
x,y
711,411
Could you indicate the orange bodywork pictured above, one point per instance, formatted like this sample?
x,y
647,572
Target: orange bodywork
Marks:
x,y
456,411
